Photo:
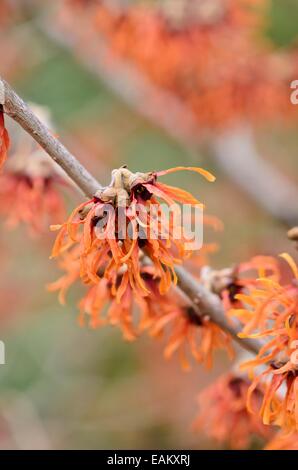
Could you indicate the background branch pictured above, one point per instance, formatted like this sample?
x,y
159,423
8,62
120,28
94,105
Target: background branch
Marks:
x,y
236,154
234,151
208,304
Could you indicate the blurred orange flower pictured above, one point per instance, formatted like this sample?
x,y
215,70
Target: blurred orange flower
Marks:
x,y
245,278
29,191
283,441
33,201
114,302
271,314
186,333
205,53
223,414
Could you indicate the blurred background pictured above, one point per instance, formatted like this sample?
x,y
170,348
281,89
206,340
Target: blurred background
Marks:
x,y
65,387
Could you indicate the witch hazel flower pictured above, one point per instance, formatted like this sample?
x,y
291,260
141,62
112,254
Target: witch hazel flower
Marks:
x,y
101,305
108,302
30,184
270,312
184,332
165,317
223,413
245,275
283,441
125,220
123,245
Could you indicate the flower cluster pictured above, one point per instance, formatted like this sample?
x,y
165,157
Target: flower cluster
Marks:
x,y
269,312
166,317
124,220
187,333
204,53
224,416
121,245
245,277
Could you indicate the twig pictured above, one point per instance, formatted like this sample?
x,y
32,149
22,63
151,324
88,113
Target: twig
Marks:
x,y
205,302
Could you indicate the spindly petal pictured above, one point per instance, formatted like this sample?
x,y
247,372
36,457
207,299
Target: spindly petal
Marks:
x,y
201,171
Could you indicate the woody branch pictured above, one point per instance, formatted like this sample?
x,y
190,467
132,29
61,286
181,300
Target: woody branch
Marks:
x,y
204,302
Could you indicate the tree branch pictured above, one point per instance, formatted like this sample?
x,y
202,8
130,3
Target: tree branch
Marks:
x,y
204,302
236,153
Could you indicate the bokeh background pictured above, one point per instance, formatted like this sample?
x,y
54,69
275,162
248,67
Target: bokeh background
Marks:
x,y
66,387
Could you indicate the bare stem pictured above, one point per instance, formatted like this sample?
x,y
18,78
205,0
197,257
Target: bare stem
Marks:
x,y
205,302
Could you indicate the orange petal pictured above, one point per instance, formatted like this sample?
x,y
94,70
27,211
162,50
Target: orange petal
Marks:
x,y
291,263
201,171
178,194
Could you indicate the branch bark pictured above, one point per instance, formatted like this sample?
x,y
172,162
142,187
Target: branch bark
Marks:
x,y
236,154
204,301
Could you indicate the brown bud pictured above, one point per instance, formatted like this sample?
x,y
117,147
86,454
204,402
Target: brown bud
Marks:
x,y
293,234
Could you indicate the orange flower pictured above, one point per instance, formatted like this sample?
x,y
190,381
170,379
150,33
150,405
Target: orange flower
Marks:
x,y
271,314
33,201
7,12
29,185
123,219
186,334
168,317
121,302
224,416
4,138
103,244
283,441
69,262
245,278
106,301
204,54
29,191
114,302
